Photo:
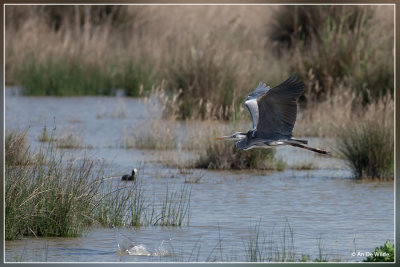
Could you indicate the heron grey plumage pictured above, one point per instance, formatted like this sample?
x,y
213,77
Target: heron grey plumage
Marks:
x,y
273,114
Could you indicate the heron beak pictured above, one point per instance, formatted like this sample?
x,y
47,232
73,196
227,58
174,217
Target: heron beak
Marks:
x,y
223,138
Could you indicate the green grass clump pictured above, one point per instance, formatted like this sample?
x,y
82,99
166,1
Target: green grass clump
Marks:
x,y
368,147
114,200
160,137
175,207
153,142
383,253
45,196
70,141
16,150
73,75
260,248
125,203
225,156
45,137
63,77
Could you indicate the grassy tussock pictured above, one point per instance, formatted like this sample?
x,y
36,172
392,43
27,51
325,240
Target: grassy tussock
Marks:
x,y
45,195
368,146
16,150
225,156
175,208
124,203
158,135
262,247
70,141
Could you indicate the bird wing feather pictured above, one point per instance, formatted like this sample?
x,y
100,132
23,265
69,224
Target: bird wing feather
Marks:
x,y
251,102
278,108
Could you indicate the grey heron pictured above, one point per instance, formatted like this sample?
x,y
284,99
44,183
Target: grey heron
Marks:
x,y
128,177
273,112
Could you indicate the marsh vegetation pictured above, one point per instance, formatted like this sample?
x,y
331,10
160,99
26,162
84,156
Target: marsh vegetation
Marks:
x,y
204,70
48,195
192,78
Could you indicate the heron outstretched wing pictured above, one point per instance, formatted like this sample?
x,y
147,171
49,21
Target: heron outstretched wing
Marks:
x,y
277,108
251,102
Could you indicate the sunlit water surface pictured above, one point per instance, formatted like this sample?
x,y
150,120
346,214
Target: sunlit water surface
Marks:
x,y
325,209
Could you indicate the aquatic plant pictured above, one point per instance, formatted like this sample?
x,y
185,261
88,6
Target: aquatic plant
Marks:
x,y
113,201
383,253
46,196
71,76
175,207
263,248
368,146
69,141
304,166
224,155
336,39
16,149
76,60
161,136
44,137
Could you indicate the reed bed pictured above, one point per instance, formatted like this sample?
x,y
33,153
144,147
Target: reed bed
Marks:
x,y
175,208
47,195
368,145
126,204
209,65
344,54
260,248
158,135
331,45
82,56
67,141
225,156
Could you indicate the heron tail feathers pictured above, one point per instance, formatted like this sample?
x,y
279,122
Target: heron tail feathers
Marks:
x,y
317,150
300,141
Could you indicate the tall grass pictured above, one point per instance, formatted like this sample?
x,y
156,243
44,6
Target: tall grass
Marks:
x,y
368,146
121,203
46,196
82,56
333,44
16,149
158,135
114,201
208,67
263,248
71,75
175,207
225,156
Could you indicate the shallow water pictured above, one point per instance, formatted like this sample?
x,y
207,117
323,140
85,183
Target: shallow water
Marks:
x,y
322,206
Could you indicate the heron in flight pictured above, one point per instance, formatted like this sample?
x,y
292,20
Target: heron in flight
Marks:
x,y
273,112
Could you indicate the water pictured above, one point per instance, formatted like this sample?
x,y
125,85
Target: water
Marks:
x,y
324,207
